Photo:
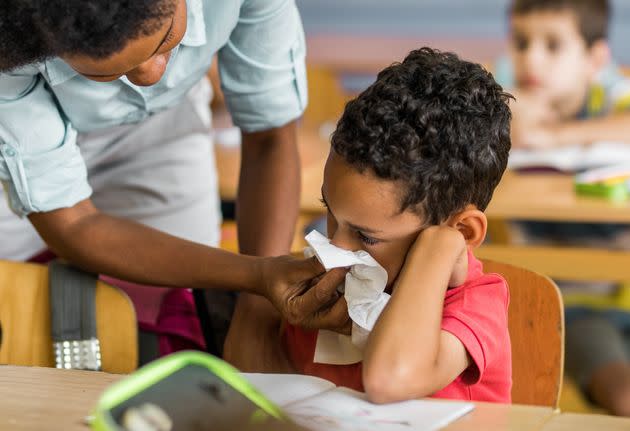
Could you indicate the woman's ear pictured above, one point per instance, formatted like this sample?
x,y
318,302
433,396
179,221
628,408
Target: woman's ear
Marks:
x,y
472,223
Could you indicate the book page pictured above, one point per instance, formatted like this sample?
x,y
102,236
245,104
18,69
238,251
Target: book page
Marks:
x,y
283,389
347,410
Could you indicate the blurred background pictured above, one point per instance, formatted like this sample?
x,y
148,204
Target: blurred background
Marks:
x,y
475,29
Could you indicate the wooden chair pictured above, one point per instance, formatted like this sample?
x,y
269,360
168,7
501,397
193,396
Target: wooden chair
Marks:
x,y
326,96
25,327
536,324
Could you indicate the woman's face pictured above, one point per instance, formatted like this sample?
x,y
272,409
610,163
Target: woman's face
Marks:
x,y
143,60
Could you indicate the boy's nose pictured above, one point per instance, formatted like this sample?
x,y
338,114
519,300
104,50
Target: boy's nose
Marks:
x,y
534,57
343,240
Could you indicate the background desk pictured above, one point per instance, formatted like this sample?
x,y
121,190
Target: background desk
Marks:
x,y
551,198
313,154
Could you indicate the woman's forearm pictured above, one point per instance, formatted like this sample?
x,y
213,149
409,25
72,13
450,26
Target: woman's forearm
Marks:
x,y
128,250
131,251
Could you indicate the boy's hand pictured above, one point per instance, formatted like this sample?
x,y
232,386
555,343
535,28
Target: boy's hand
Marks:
x,y
532,120
538,137
302,298
447,243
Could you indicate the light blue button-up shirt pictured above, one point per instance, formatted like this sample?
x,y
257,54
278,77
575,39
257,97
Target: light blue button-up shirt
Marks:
x,y
261,50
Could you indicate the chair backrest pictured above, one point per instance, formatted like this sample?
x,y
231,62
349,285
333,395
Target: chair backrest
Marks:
x,y
536,325
26,327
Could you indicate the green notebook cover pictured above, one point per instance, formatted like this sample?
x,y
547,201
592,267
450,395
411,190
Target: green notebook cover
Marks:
x,y
196,390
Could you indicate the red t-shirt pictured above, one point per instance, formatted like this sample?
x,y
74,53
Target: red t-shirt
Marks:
x,y
475,312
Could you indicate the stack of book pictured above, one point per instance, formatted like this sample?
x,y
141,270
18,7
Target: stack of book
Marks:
x,y
611,183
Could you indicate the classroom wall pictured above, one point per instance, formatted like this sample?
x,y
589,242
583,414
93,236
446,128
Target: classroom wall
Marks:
x,y
432,20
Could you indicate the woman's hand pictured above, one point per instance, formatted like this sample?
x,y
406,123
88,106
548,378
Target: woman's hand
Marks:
x,y
534,122
304,295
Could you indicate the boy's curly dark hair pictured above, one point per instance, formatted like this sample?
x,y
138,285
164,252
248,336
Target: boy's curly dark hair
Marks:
x,y
438,125
592,15
33,30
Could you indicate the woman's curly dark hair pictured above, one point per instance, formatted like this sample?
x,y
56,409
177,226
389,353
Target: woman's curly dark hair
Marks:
x,y
438,125
33,30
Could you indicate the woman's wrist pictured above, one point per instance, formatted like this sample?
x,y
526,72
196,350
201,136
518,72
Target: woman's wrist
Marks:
x,y
230,271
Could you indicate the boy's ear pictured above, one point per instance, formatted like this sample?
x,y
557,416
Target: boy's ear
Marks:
x,y
472,223
600,56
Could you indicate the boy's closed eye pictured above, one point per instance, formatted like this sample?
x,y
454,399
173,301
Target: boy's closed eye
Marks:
x,y
364,238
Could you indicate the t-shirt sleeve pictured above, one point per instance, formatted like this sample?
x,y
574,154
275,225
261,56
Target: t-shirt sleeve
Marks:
x,y
620,94
478,317
262,66
612,91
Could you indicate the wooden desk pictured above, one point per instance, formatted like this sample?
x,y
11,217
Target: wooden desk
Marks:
x,y
550,197
45,398
501,417
577,422
34,398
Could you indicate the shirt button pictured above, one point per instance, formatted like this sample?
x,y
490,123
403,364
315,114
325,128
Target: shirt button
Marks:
x,y
9,151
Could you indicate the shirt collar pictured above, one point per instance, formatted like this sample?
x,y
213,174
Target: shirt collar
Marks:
x,y
196,26
59,71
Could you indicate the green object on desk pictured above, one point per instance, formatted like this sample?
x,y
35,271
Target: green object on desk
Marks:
x,y
617,192
193,389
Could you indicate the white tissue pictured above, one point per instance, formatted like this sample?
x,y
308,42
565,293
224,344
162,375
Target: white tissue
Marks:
x,y
364,292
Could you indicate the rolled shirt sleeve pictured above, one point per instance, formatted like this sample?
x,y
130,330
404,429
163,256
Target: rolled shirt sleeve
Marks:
x,y
41,167
262,65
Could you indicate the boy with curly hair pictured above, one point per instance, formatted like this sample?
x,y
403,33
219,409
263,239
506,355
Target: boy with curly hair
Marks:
x,y
414,161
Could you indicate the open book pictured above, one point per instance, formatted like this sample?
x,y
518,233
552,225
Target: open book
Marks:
x,y
318,404
572,158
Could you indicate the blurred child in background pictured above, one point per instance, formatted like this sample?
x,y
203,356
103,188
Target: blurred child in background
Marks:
x,y
569,91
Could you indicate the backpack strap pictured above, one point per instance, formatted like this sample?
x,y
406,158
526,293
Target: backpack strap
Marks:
x,y
73,312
